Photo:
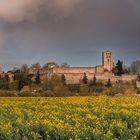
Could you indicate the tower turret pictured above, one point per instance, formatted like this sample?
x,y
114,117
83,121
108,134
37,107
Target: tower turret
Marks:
x,y
107,60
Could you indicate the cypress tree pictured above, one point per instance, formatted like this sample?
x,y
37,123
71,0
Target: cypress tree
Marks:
x,y
85,79
37,79
94,80
63,79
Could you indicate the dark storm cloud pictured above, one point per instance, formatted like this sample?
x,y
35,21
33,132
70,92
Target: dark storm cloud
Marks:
x,y
68,30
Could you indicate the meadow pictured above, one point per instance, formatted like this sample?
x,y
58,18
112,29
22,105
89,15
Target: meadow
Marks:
x,y
70,118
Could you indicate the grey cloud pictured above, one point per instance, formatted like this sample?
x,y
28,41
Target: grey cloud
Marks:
x,y
19,10
59,30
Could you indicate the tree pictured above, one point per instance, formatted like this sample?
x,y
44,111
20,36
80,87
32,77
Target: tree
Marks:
x,y
63,79
127,70
109,84
55,85
7,78
18,76
94,80
25,81
50,65
65,65
24,69
16,70
135,67
4,84
37,78
118,69
20,85
85,79
36,66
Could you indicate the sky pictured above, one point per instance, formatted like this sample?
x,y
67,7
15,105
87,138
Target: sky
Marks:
x,y
72,31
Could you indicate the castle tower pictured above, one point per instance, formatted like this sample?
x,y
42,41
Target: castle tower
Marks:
x,y
107,60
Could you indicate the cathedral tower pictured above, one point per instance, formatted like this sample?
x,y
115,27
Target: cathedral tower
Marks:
x,y
107,60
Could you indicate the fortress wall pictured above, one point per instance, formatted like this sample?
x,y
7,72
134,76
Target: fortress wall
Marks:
x,y
74,70
124,78
77,78
129,77
99,69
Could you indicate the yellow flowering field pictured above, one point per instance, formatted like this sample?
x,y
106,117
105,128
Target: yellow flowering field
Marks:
x,y
72,118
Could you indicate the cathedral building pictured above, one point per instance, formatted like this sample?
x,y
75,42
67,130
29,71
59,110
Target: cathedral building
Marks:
x,y
74,75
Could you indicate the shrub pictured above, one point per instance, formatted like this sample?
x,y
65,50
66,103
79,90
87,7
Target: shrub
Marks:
x,y
25,94
84,89
56,85
6,93
97,88
60,90
13,86
121,88
73,88
4,84
48,93
25,89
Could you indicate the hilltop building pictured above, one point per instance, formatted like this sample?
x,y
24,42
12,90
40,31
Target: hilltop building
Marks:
x,y
74,75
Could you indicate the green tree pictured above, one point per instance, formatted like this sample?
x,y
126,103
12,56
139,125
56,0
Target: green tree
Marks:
x,y
20,85
7,78
118,69
4,84
55,84
37,78
94,80
50,65
109,84
135,67
85,79
25,81
66,65
36,66
24,69
63,79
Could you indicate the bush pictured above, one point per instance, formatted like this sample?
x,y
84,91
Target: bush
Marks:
x,y
25,94
13,86
97,88
56,85
84,89
60,90
25,89
4,84
73,88
48,93
6,93
121,88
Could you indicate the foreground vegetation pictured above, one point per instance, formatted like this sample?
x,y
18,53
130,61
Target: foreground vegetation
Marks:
x,y
56,86
73,118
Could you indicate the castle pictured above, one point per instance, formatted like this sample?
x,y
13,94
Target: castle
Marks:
x,y
74,75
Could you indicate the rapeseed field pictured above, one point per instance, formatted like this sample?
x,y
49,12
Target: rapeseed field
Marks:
x,y
71,118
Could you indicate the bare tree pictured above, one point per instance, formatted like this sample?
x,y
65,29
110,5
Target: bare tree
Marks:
x,y
135,67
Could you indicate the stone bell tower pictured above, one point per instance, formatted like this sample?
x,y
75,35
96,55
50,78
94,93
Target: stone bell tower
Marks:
x,y
107,60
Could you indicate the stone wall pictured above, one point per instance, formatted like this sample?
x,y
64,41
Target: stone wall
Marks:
x,y
76,78
74,70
